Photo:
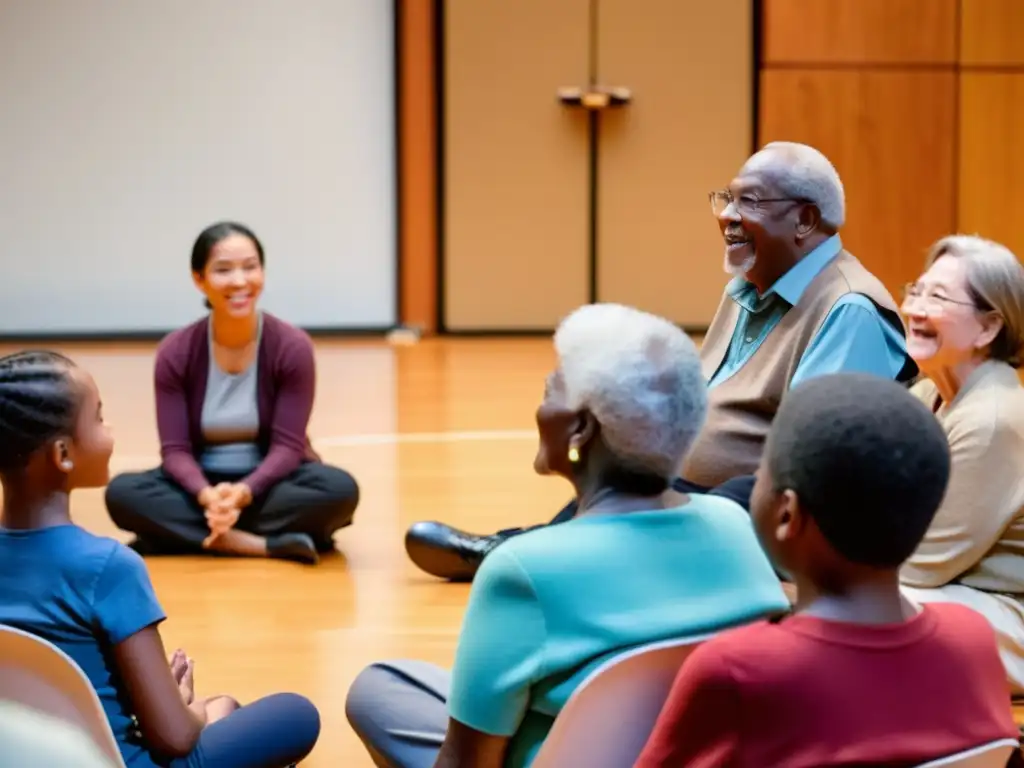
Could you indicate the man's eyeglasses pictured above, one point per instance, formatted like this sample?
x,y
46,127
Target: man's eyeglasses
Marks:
x,y
744,204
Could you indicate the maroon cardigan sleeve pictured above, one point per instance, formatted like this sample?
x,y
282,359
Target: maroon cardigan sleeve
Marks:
x,y
293,365
172,417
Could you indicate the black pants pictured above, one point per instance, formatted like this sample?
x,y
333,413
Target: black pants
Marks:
x,y
736,489
316,499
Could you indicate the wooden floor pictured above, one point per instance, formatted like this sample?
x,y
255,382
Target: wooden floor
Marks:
x,y
440,430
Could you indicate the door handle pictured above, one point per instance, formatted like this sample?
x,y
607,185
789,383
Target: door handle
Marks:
x,y
595,97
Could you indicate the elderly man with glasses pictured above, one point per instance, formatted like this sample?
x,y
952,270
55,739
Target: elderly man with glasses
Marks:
x,y
799,305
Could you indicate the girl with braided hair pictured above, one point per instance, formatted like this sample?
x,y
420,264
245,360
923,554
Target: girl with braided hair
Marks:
x,y
92,597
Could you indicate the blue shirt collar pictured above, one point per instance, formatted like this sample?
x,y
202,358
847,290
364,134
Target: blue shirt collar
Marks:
x,y
790,286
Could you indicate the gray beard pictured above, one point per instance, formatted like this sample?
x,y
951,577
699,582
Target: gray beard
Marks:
x,y
741,269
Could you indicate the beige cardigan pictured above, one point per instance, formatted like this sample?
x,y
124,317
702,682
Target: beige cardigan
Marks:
x,y
977,537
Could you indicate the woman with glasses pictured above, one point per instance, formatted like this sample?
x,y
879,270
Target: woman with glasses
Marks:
x,y
965,331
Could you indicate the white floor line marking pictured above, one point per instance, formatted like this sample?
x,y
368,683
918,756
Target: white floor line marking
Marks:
x,y
382,438
389,438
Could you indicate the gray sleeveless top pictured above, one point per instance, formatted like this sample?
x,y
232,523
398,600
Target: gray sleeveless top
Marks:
x,y
231,420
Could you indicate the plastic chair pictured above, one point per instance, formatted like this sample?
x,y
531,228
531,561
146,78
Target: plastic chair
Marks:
x,y
995,754
606,721
37,674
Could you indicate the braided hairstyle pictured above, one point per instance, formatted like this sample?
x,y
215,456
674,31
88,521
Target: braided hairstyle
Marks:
x,y
38,402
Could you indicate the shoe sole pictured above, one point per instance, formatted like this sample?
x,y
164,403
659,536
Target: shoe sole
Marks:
x,y
438,561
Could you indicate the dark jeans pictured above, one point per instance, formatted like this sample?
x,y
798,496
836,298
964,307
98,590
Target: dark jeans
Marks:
x,y
736,489
315,499
273,732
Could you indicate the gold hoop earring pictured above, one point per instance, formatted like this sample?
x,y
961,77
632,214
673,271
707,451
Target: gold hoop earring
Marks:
x,y
574,455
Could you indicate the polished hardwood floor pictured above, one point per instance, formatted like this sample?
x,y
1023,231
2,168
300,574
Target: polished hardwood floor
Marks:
x,y
439,430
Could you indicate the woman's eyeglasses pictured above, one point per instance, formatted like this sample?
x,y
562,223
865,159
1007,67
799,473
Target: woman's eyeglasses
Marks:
x,y
931,301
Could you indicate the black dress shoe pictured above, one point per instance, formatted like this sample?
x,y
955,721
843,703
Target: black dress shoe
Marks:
x,y
293,546
447,552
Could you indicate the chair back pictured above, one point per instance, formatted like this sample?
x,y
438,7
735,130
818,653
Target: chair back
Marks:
x,y
995,754
37,674
607,719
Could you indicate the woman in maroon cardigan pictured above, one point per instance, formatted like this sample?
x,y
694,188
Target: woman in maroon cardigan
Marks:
x,y
234,392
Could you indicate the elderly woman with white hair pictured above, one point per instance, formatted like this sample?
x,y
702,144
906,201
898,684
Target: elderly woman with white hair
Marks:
x,y
637,564
965,319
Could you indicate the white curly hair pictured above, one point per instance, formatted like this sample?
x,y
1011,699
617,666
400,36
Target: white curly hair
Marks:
x,y
801,171
640,376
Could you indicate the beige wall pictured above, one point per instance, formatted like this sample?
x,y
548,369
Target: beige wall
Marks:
x,y
688,132
516,162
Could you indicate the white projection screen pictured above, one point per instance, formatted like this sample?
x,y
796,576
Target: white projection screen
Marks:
x,y
127,126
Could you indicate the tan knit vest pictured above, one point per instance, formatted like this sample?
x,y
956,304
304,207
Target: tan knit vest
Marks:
x,y
741,408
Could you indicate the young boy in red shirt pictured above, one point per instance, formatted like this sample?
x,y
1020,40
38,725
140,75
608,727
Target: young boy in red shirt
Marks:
x,y
852,474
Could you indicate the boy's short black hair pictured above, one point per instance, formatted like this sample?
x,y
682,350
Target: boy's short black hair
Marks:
x,y
868,461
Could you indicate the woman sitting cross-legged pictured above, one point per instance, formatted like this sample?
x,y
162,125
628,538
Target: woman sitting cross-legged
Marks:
x,y
965,319
234,393
639,563
91,596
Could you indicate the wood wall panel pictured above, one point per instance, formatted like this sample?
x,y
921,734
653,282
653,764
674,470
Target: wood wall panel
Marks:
x,y
992,32
991,119
891,136
417,61
516,253
860,31
659,247
991,196
924,123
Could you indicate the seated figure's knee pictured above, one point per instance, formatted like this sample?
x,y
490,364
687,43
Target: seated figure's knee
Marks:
x,y
373,692
340,489
362,696
302,717
342,486
382,683
121,496
118,487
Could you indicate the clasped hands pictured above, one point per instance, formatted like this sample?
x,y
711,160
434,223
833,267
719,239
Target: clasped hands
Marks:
x,y
223,503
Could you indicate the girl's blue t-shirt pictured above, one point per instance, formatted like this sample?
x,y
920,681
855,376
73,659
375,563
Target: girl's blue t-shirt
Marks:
x,y
85,594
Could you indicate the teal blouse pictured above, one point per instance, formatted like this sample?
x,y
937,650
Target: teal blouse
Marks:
x,y
548,606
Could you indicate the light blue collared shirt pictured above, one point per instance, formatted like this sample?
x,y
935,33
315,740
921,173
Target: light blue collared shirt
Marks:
x,y
854,337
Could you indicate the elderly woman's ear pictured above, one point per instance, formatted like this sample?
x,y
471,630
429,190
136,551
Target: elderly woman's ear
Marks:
x,y
992,325
584,429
